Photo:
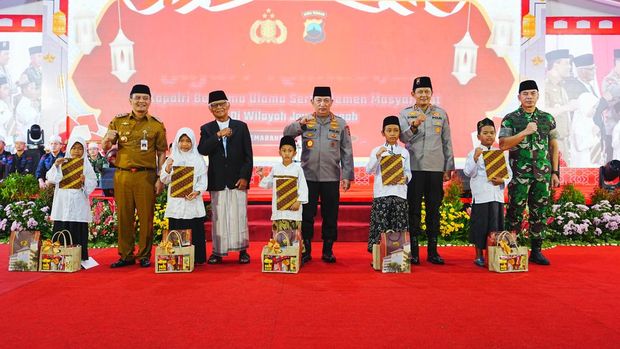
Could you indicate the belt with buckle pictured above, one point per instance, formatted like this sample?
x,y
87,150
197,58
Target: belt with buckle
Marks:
x,y
136,169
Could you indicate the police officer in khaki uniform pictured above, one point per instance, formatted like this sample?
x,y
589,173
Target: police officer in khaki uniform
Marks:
x,y
327,161
425,130
141,141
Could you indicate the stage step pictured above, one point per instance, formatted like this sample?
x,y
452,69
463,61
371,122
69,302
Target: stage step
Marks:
x,y
353,223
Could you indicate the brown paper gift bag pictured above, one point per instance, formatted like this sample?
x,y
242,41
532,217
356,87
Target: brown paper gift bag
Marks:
x,y
392,171
506,256
60,258
174,259
182,181
281,258
72,171
495,164
24,250
394,252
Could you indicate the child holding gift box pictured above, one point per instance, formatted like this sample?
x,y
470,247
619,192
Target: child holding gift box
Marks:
x,y
71,207
286,204
185,209
390,209
487,211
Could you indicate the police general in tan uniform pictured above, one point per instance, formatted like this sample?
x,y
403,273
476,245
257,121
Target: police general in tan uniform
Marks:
x,y
141,141
327,161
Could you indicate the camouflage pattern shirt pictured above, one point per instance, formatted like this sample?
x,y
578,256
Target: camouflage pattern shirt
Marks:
x,y
531,157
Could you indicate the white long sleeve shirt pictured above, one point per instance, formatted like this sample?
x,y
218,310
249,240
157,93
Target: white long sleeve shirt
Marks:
x,y
483,190
292,170
72,205
373,167
181,208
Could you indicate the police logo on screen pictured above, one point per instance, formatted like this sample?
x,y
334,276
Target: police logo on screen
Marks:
x,y
314,26
268,30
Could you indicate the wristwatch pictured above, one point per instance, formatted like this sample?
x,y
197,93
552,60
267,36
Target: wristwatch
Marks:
x,y
557,173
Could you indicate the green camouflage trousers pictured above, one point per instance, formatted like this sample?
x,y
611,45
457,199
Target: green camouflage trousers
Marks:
x,y
535,193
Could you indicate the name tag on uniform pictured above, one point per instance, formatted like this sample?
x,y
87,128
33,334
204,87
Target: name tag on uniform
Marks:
x,y
144,145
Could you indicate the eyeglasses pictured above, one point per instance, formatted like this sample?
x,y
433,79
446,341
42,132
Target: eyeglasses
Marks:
x,y
216,105
141,98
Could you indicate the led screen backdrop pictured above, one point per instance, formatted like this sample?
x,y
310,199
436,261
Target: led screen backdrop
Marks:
x,y
268,55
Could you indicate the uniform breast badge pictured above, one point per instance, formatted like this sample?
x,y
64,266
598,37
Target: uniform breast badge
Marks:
x,y
309,144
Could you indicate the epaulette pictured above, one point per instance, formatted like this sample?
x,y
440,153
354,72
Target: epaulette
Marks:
x,y
156,119
121,115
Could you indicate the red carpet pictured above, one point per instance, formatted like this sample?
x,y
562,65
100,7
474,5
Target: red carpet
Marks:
x,y
572,304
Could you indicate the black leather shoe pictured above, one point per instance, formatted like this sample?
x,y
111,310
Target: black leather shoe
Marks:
x,y
479,262
305,258
436,259
328,255
145,263
122,263
244,257
415,260
215,259
536,255
328,258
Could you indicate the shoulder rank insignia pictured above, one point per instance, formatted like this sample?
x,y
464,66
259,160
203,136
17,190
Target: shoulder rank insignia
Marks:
x,y
121,115
156,119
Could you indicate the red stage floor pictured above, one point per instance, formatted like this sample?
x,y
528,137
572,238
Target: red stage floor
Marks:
x,y
571,304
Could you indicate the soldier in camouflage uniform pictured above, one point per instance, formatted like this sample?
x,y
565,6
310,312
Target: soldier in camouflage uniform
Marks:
x,y
531,136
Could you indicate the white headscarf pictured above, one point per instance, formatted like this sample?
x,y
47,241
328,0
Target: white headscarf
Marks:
x,y
72,141
190,158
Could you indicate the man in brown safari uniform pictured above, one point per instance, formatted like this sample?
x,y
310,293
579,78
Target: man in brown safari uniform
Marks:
x,y
141,141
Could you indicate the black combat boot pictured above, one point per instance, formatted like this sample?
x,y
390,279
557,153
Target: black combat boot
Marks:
x,y
307,255
433,255
536,255
328,255
415,251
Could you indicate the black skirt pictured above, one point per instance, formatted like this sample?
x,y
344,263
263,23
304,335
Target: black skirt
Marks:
x,y
79,234
485,218
197,225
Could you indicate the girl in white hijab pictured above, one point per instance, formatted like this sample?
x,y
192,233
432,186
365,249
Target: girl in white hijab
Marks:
x,y
71,207
188,211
